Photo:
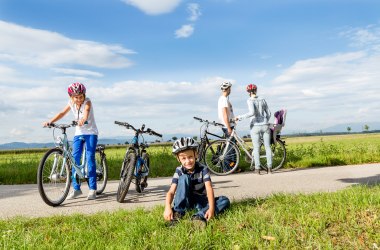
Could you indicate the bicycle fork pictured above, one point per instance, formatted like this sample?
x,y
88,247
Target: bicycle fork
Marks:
x,y
61,175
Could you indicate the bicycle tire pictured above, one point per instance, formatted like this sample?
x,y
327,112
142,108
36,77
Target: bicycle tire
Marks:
x,y
278,155
201,152
101,172
126,176
215,163
53,187
140,188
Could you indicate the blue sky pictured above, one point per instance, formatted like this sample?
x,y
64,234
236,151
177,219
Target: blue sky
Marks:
x,y
160,62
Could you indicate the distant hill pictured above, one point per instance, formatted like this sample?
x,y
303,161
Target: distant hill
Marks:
x,y
340,128
22,145
108,141
355,127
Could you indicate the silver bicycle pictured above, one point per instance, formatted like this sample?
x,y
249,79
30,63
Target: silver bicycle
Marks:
x,y
222,156
54,171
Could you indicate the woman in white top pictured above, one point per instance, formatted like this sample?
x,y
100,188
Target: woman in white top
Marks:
x,y
259,125
86,133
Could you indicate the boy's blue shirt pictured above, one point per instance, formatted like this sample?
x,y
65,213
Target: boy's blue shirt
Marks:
x,y
199,177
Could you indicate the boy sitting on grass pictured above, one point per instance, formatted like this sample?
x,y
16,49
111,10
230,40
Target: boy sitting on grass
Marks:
x,y
191,187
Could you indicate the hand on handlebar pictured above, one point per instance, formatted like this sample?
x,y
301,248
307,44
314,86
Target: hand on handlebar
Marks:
x,y
47,124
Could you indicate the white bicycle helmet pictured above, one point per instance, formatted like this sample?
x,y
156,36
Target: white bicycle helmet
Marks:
x,y
184,143
225,85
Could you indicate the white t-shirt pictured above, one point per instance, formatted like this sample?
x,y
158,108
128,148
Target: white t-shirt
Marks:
x,y
89,128
223,102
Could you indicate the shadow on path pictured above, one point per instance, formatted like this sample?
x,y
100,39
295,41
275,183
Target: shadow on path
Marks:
x,y
370,180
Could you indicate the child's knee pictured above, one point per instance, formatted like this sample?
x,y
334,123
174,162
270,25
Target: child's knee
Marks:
x,y
224,200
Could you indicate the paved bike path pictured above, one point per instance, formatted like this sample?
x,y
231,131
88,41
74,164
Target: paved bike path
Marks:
x,y
24,200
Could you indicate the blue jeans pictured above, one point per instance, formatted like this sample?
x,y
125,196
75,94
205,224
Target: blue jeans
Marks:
x,y
256,132
185,200
78,144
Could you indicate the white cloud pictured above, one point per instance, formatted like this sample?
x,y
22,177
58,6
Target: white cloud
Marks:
x,y
259,74
185,31
154,7
331,88
318,68
194,10
77,72
167,107
188,29
363,37
48,49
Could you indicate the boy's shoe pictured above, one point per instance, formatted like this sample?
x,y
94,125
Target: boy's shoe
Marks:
x,y
91,195
74,194
144,184
176,217
199,222
269,171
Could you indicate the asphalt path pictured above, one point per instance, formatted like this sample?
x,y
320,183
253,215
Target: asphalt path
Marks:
x,y
24,200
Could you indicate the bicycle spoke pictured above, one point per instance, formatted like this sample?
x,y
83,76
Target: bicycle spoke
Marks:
x,y
278,155
101,172
221,160
53,178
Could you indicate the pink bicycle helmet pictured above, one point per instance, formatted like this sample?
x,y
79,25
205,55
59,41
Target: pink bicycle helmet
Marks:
x,y
251,87
76,88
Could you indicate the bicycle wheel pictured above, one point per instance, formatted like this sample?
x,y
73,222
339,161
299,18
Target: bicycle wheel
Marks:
x,y
219,160
278,155
141,181
126,176
53,177
201,151
101,172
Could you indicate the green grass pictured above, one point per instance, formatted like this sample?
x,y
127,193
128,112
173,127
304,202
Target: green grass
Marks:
x,y
333,150
20,166
347,219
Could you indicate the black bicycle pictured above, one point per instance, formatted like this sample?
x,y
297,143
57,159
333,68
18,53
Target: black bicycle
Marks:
x,y
204,140
135,166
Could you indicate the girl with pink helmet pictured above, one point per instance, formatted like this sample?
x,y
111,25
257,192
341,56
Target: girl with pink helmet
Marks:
x,y
86,135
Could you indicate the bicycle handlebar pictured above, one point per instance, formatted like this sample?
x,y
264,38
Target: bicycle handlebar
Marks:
x,y
61,126
147,131
152,132
207,121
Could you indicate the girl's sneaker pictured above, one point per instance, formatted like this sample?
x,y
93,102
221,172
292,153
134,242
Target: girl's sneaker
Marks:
x,y
91,195
74,194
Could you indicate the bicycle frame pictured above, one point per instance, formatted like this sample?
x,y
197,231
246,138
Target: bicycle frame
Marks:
x,y
203,135
67,156
136,162
239,142
139,149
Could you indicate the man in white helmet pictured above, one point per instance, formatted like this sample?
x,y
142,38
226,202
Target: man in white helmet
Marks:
x,y
225,111
227,117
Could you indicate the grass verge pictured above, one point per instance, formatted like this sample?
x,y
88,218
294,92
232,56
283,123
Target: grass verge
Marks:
x,y
347,219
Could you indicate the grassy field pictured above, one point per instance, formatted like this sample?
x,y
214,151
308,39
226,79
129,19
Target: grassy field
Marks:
x,y
20,166
347,219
